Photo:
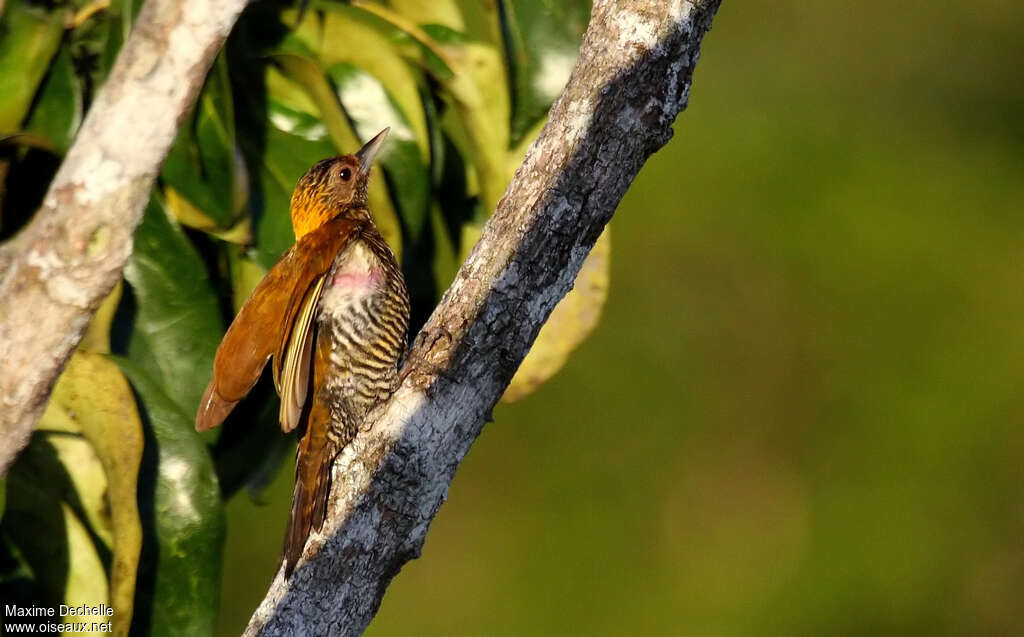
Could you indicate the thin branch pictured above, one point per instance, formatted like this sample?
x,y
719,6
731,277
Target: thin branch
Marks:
x,y
631,80
54,274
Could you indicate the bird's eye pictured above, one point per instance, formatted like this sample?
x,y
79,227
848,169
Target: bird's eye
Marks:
x,y
346,174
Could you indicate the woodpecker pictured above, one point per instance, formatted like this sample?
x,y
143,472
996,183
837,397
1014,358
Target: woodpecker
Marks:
x,y
333,313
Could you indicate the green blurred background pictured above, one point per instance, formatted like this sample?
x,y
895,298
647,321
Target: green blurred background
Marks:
x,y
800,413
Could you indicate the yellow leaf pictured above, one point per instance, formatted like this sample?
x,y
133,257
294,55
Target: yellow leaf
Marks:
x,y
349,36
246,274
97,335
189,215
93,397
86,583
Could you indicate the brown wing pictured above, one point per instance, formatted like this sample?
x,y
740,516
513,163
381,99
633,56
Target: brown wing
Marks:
x,y
263,327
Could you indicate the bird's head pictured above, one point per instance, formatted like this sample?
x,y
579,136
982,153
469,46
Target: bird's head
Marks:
x,y
335,186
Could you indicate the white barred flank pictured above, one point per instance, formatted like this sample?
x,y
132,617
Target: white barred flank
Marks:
x,y
364,312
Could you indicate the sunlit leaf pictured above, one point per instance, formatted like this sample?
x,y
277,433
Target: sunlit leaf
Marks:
x,y
443,12
542,39
97,335
371,108
307,74
87,482
182,518
86,452
42,521
350,35
87,579
93,398
188,215
411,40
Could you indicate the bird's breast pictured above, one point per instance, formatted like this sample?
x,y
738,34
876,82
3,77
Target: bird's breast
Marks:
x,y
364,315
355,279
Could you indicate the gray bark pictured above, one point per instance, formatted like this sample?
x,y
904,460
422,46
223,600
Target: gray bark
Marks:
x,y
56,272
631,80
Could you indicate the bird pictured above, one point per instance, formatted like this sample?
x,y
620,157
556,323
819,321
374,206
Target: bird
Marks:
x,y
333,313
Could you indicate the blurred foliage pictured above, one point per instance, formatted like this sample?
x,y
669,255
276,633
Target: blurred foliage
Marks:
x,y
116,476
801,413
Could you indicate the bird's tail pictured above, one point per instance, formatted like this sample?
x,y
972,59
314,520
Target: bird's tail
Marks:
x,y
312,486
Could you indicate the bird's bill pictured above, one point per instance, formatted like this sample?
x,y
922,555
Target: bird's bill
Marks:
x,y
370,150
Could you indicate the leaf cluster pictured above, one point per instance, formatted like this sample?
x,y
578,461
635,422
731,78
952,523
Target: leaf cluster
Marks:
x,y
130,508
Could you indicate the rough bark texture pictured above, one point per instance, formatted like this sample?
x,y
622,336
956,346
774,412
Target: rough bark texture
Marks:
x,y
631,80
54,274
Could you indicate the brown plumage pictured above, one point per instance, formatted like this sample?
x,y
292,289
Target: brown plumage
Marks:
x,y
333,313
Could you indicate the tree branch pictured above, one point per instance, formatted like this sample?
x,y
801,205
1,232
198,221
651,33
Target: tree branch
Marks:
x,y
54,274
631,80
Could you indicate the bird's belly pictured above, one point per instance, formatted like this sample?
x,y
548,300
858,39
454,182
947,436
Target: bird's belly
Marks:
x,y
364,350
363,360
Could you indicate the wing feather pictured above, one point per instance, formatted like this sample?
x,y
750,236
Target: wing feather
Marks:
x,y
263,327
298,359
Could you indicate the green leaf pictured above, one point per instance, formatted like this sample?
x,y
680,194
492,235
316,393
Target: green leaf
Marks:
x,y
445,12
58,109
115,30
246,274
287,156
542,40
177,324
410,39
252,449
371,108
17,581
458,209
480,95
350,35
294,141
84,511
204,166
304,72
29,38
182,516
